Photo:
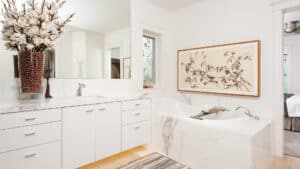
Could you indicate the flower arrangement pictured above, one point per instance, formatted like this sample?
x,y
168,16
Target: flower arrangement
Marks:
x,y
31,30
35,27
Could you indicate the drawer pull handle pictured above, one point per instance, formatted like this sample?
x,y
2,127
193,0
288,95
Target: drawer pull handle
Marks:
x,y
138,104
30,155
137,114
30,119
137,128
29,134
102,109
90,111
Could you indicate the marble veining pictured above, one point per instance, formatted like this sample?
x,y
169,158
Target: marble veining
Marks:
x,y
14,106
199,143
168,128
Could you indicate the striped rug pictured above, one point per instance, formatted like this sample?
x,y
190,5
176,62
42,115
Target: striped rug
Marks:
x,y
154,161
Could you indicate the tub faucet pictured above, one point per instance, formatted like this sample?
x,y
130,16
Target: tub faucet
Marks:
x,y
248,113
80,87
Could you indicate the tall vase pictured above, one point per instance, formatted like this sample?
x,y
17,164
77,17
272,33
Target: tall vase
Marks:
x,y
31,66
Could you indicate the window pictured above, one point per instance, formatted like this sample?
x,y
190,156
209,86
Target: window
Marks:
x,y
149,61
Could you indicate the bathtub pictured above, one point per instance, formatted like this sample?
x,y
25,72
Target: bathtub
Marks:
x,y
229,140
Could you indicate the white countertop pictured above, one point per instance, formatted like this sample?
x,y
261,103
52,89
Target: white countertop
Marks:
x,y
14,106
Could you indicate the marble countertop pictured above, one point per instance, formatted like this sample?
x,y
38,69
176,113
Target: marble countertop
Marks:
x,y
14,106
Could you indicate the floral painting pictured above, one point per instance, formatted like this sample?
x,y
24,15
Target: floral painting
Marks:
x,y
226,69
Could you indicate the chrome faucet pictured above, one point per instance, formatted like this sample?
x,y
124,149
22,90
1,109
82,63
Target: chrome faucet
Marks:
x,y
80,87
248,113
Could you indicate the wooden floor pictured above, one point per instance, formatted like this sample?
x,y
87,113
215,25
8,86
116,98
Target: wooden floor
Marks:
x,y
287,162
119,159
122,159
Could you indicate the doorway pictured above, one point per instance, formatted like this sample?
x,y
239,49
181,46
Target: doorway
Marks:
x,y
291,82
115,63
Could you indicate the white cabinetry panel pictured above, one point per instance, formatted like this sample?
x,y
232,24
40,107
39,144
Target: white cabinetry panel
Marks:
x,y
47,156
108,130
78,136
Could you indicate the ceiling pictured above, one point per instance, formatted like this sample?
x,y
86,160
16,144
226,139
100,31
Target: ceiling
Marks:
x,y
173,4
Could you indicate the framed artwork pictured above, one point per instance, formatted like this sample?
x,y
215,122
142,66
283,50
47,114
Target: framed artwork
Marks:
x,y
230,69
126,68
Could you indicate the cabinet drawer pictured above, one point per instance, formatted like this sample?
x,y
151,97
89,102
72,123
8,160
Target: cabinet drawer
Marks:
x,y
136,134
106,107
47,156
136,104
13,139
134,116
29,118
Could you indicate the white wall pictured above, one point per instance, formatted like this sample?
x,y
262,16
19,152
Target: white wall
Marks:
x,y
120,38
213,22
146,16
6,61
292,41
79,44
206,23
95,55
9,87
217,22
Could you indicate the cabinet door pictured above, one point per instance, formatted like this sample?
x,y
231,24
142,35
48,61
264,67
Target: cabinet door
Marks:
x,y
108,130
78,136
46,156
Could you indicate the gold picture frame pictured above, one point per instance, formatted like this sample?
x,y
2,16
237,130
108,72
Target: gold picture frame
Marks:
x,y
227,69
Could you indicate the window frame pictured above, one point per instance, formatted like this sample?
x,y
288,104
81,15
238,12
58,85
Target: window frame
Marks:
x,y
154,60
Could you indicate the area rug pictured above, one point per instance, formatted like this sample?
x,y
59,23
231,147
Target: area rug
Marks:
x,y
154,161
292,143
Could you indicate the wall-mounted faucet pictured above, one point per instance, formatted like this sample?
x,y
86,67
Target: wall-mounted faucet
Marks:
x,y
80,87
248,113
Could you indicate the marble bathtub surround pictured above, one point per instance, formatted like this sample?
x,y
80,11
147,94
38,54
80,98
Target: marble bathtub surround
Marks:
x,y
168,127
247,141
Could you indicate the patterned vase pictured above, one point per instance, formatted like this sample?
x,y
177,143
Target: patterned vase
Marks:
x,y
31,65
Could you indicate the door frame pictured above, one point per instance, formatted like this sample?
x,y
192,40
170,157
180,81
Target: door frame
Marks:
x,y
279,8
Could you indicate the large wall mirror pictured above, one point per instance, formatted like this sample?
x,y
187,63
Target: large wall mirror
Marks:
x,y
95,45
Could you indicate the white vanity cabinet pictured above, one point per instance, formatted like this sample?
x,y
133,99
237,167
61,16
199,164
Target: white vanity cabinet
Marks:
x,y
78,136
108,130
136,123
31,140
90,133
72,136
